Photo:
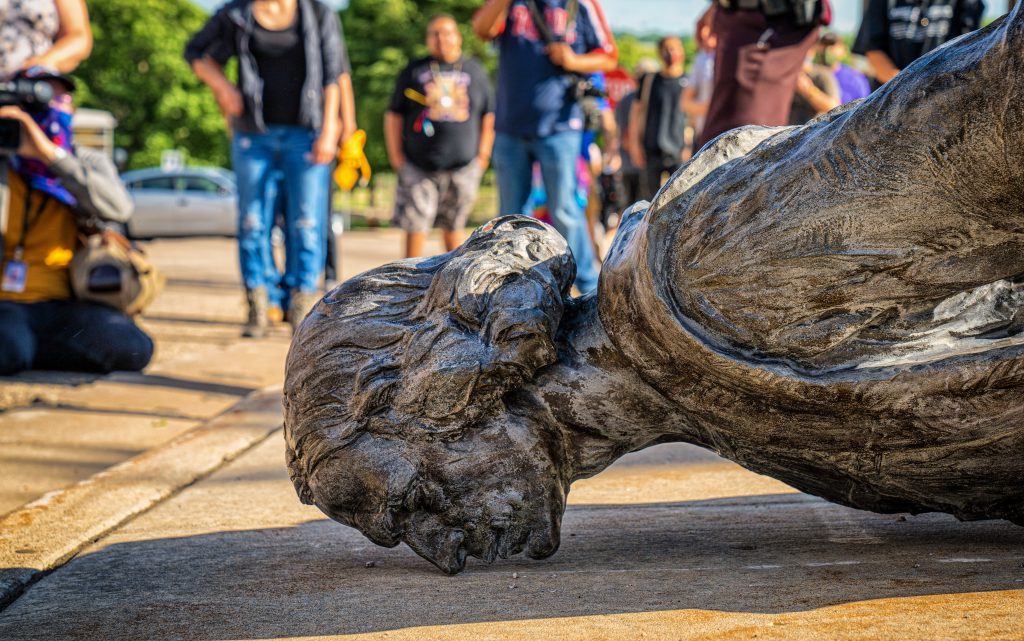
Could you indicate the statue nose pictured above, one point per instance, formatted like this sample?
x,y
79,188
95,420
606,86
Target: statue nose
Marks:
x,y
444,548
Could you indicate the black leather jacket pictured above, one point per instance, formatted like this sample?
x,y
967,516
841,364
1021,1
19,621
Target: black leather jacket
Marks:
x,y
228,33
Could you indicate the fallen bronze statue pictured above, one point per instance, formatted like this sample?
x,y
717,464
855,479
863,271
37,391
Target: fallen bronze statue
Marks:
x,y
838,306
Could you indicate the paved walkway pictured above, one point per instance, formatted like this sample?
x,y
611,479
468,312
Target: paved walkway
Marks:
x,y
670,543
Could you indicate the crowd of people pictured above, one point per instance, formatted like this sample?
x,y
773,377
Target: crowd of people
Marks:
x,y
563,144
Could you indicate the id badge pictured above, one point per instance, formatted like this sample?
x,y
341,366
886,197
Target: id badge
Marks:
x,y
15,274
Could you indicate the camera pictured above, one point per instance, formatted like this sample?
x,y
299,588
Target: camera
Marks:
x,y
30,95
583,87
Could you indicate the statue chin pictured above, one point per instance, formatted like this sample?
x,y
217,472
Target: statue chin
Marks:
x,y
838,306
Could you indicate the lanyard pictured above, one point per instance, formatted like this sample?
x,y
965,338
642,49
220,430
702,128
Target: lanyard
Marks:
x,y
435,68
27,222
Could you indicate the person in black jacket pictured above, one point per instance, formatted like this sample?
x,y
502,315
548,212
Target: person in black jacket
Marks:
x,y
657,123
284,114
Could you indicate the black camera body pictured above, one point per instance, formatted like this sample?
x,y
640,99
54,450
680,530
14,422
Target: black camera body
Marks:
x,y
30,95
581,87
583,91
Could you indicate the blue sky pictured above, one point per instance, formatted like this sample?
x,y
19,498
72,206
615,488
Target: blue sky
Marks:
x,y
678,16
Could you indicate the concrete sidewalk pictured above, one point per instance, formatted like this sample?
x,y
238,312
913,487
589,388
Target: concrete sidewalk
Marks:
x,y
670,543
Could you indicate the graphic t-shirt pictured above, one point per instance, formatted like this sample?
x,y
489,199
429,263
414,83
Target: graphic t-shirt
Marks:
x,y
908,29
442,106
533,94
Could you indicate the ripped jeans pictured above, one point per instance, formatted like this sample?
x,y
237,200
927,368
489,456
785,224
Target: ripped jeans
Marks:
x,y
280,157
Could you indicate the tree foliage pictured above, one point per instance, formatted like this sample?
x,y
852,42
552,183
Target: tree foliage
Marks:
x,y
633,48
137,72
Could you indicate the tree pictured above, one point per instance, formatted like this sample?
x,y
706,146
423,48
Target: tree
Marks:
x,y
382,36
633,48
137,72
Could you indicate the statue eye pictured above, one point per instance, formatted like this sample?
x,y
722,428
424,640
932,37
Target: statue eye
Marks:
x,y
423,495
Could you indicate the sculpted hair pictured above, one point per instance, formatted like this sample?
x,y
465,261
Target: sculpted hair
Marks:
x,y
424,349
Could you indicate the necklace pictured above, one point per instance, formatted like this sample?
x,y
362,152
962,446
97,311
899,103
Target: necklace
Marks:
x,y
446,100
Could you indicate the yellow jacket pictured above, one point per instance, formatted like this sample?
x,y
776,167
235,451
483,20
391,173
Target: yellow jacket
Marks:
x,y
53,232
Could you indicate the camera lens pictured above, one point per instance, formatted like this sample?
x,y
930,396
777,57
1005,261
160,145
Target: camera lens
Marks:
x,y
104,279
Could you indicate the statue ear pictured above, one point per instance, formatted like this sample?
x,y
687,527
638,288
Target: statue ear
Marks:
x,y
297,474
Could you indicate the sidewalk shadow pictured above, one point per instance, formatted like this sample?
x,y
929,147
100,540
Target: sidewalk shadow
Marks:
x,y
75,379
775,554
160,380
187,320
199,283
47,377
34,400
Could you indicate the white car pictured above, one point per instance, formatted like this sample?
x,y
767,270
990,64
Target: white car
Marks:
x,y
195,201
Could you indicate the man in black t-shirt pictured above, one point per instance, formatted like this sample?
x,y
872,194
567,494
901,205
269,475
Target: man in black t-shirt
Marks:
x,y
897,32
439,130
657,124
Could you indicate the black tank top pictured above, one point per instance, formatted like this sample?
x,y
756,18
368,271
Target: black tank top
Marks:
x,y
281,60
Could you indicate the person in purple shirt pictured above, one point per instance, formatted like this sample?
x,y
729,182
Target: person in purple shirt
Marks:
x,y
831,51
538,116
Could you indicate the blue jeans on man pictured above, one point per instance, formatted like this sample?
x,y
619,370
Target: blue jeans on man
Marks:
x,y
513,159
280,157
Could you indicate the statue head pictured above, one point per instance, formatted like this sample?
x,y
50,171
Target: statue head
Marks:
x,y
403,416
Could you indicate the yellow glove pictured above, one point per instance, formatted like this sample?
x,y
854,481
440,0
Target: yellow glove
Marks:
x,y
353,167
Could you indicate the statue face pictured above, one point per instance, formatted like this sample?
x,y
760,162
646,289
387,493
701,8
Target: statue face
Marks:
x,y
502,493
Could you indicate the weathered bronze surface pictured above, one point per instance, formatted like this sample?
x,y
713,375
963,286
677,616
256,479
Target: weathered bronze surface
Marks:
x,y
838,306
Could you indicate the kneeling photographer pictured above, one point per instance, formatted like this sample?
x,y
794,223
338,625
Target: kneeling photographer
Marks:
x,y
53,193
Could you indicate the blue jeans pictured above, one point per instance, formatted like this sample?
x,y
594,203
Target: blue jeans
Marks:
x,y
513,161
259,158
69,336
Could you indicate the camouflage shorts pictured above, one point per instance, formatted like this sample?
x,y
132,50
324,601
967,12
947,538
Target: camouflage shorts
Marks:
x,y
445,196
